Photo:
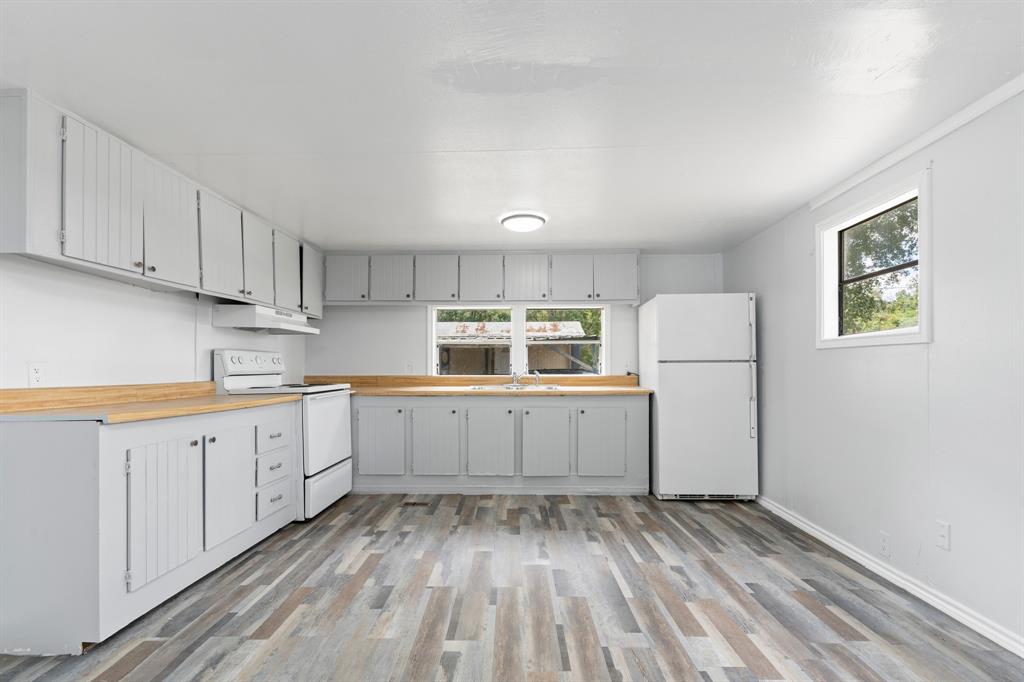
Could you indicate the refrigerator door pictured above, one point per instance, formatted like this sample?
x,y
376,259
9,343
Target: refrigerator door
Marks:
x,y
707,435
705,327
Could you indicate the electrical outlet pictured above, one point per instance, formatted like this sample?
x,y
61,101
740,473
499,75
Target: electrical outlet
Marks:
x,y
885,548
36,373
408,368
942,538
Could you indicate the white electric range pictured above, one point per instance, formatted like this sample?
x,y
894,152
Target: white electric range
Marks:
x,y
326,421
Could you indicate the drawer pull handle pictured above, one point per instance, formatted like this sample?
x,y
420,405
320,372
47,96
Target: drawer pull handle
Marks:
x,y
277,466
275,435
277,498
211,439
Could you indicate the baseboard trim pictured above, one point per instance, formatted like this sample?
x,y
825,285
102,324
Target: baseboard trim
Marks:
x,y
1002,636
496,490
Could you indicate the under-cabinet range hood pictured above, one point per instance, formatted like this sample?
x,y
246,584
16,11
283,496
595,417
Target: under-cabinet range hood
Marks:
x,y
256,317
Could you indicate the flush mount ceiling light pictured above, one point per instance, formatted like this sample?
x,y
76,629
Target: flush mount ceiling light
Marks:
x,y
523,221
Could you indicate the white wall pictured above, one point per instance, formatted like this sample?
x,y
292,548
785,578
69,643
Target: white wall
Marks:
x,y
90,331
863,440
394,339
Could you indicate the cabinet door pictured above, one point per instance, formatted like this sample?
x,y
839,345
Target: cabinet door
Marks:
x,y
391,277
287,272
572,278
312,280
435,441
348,278
170,223
165,507
615,277
99,225
481,277
258,259
546,441
491,441
230,466
220,246
526,277
601,441
437,277
381,440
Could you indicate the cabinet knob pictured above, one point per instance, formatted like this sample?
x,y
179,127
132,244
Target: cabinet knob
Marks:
x,y
241,291
498,295
399,411
305,307
152,268
543,295
597,295
510,411
211,439
453,295
526,412
194,443
582,411
137,264
590,295
248,292
453,411
408,295
362,295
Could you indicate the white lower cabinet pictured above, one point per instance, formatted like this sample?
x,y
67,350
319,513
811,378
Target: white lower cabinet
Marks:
x,y
546,441
381,440
601,441
124,516
435,441
491,441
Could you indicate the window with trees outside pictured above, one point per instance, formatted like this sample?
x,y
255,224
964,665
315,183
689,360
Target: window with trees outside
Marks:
x,y
873,284
498,340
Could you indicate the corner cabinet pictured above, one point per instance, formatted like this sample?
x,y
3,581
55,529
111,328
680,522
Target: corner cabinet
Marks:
x,y
132,514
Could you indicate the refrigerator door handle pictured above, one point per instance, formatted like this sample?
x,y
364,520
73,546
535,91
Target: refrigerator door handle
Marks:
x,y
753,399
752,323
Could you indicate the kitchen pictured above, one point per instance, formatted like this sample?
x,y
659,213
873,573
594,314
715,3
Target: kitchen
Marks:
x,y
497,372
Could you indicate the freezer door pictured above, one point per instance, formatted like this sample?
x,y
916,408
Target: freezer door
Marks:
x,y
706,440
705,327
326,430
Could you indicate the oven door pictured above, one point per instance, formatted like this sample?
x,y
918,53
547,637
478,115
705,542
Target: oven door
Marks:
x,y
326,430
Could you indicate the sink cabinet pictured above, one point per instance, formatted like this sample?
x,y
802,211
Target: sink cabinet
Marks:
x,y
559,444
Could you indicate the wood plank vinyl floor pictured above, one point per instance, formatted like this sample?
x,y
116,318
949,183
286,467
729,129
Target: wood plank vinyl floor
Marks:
x,y
432,587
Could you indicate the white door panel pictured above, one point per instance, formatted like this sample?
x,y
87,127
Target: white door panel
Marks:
x,y
220,245
526,277
326,430
258,259
491,448
312,280
481,277
229,467
435,441
437,277
706,327
572,277
381,440
704,429
391,277
546,441
170,222
348,278
601,441
287,274
615,277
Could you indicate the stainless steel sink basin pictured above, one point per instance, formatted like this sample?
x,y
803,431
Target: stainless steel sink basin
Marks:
x,y
515,387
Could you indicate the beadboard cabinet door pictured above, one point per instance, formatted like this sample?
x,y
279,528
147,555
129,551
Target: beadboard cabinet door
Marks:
x,y
601,441
312,280
165,507
171,222
229,465
491,441
481,277
572,277
381,433
287,272
348,278
526,277
437,277
435,441
258,259
391,277
616,277
220,246
546,441
98,223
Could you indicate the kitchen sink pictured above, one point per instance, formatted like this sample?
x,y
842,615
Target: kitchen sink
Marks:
x,y
515,387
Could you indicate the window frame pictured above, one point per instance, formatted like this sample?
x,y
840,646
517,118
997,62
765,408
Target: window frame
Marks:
x,y
518,355
830,267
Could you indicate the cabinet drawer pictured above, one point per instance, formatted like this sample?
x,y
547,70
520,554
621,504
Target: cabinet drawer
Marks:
x,y
274,498
272,466
273,435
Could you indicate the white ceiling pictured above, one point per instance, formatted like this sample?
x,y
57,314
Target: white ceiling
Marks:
x,y
661,125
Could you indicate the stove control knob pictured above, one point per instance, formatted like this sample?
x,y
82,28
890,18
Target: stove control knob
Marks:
x,y
258,359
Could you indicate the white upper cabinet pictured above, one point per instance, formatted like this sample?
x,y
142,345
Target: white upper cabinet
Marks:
x,y
391,277
526,277
616,277
572,277
258,259
481,277
437,277
312,280
287,273
220,245
348,278
98,219
171,222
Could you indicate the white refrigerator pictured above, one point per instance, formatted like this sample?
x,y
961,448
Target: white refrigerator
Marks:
x,y
698,352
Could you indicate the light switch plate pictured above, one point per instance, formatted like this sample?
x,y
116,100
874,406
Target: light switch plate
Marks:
x,y
36,373
942,537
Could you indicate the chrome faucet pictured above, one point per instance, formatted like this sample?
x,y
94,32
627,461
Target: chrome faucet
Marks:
x,y
516,376
536,376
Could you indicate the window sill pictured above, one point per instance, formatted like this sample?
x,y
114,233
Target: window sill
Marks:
x,y
886,338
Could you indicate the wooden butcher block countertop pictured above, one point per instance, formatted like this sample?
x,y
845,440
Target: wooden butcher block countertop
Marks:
x,y
409,386
128,403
